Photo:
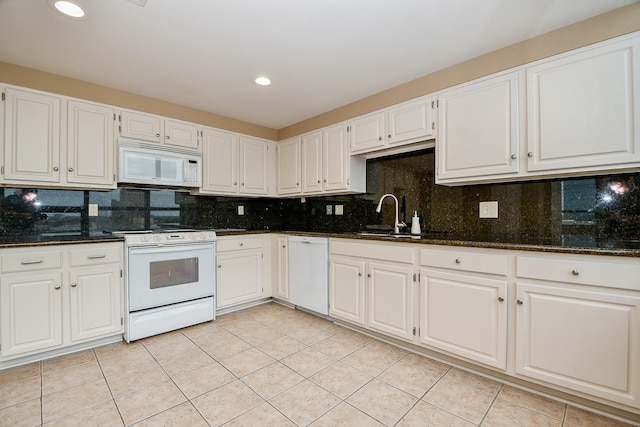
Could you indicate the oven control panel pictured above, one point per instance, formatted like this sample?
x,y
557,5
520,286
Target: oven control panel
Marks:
x,y
169,238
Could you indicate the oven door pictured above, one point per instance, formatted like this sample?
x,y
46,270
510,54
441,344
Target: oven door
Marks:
x,y
162,275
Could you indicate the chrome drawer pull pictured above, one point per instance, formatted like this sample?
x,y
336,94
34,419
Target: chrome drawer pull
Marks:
x,y
96,256
31,262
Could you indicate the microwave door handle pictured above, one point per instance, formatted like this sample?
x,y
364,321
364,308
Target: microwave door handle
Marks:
x,y
156,249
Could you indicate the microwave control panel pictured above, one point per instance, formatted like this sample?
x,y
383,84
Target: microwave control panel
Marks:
x,y
192,172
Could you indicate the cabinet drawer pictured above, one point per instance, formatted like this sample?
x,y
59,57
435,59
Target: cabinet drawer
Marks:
x,y
465,261
31,260
238,243
588,270
403,253
94,254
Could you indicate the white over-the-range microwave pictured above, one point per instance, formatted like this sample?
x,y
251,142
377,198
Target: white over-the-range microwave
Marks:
x,y
152,164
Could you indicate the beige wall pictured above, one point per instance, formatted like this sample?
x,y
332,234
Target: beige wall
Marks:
x,y
602,27
615,23
28,77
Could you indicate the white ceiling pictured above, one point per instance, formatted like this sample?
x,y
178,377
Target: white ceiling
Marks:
x,y
319,54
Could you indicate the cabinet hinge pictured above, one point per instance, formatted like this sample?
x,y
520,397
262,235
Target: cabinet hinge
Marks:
x,y
433,103
2,170
348,129
414,277
3,96
121,274
433,125
120,118
114,117
120,129
414,331
122,320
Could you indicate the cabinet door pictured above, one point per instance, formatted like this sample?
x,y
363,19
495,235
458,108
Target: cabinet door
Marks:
x,y
289,166
253,166
220,162
181,134
336,159
583,109
95,302
464,315
282,286
411,121
31,312
368,133
239,277
140,126
31,137
478,133
581,339
346,289
311,154
390,300
90,151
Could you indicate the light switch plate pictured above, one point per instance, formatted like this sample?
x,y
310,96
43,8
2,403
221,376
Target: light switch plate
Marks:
x,y
488,209
240,210
339,210
93,209
329,209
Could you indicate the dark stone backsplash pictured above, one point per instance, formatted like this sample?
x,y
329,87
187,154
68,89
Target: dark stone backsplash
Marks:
x,y
582,209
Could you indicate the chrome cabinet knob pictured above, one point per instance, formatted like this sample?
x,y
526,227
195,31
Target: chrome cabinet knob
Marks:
x,y
513,156
500,299
56,287
73,285
158,135
458,261
167,136
519,302
575,272
529,154
55,169
379,138
70,169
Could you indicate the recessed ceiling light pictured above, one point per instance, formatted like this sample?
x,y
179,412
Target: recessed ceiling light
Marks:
x,y
263,81
68,8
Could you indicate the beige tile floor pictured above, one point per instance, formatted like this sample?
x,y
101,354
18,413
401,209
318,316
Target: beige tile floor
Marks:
x,y
266,366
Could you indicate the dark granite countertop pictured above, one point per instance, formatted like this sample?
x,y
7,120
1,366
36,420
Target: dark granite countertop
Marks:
x,y
36,239
562,244
565,244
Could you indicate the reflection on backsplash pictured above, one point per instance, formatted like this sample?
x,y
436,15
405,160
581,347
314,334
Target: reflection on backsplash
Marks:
x,y
569,211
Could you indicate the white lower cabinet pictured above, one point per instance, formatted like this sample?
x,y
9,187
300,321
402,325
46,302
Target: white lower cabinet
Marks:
x,y
95,301
346,288
577,327
372,285
463,309
31,316
390,299
51,298
280,267
240,272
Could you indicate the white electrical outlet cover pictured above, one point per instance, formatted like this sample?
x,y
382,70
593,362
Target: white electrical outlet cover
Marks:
x,y
339,210
93,209
488,209
329,209
240,210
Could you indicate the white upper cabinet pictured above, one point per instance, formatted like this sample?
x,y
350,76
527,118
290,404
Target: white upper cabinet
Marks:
x,y
31,137
181,134
584,109
152,128
140,126
234,164
478,133
311,152
289,175
341,171
219,162
368,133
412,121
90,144
254,166
405,123
54,141
319,163
573,114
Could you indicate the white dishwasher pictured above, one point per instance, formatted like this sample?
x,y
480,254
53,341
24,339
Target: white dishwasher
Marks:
x,y
309,273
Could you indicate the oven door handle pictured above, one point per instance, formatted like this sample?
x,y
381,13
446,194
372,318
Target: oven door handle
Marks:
x,y
156,249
